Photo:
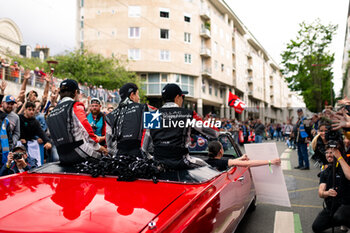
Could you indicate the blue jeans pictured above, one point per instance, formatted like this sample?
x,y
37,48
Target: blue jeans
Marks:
x,y
303,157
258,139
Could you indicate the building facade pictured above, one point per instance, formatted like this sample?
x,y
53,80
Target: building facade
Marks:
x,y
199,44
10,37
345,63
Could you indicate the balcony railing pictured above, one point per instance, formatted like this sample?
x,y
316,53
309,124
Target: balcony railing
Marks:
x,y
205,52
206,71
250,79
205,32
204,13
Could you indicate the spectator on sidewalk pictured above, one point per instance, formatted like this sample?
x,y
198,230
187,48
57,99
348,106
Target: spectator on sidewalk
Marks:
x,y
14,122
302,133
32,134
97,120
14,72
259,129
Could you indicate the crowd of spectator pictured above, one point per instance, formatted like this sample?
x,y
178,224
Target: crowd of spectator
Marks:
x,y
14,73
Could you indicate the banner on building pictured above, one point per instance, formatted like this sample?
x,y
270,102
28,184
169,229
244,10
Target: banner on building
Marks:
x,y
236,103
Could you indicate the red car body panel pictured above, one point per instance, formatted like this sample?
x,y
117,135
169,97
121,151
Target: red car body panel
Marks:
x,y
78,203
45,201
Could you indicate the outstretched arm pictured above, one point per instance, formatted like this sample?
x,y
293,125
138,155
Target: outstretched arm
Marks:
x,y
245,162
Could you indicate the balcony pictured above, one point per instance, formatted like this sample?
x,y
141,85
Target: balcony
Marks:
x,y
250,93
206,72
205,33
205,52
204,13
250,79
249,54
233,51
250,67
234,67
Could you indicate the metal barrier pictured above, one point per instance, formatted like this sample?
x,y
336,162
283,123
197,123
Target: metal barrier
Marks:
x,y
16,76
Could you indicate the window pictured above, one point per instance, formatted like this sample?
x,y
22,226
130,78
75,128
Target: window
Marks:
x,y
188,58
98,12
164,34
203,85
187,18
82,35
187,37
164,55
134,32
222,50
134,54
81,3
215,28
134,11
113,12
228,54
215,46
98,34
216,90
113,33
164,78
221,93
210,89
216,65
177,78
222,67
82,24
153,84
164,13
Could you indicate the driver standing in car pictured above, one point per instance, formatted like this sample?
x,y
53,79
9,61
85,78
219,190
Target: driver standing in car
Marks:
x,y
70,129
171,141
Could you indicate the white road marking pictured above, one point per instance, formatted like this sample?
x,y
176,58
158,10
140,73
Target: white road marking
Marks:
x,y
284,222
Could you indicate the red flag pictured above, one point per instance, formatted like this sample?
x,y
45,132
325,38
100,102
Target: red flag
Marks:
x,y
236,103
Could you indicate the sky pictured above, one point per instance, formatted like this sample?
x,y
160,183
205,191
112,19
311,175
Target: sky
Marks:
x,y
273,23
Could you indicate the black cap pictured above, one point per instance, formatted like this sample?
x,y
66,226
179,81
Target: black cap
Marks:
x,y
171,90
69,85
20,147
127,89
299,110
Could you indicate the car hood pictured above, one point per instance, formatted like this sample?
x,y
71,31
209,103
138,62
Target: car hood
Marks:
x,y
75,203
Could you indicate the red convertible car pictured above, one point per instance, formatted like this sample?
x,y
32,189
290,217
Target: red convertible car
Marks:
x,y
53,198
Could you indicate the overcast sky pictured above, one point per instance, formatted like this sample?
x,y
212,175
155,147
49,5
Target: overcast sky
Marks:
x,y
272,22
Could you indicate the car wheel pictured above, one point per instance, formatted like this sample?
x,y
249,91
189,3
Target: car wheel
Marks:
x,y
252,206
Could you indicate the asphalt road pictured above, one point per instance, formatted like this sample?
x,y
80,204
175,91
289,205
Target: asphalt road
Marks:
x,y
302,187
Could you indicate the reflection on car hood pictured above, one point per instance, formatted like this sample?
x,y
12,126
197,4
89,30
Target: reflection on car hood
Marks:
x,y
72,203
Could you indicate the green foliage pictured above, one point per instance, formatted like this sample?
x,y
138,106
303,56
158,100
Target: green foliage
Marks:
x,y
85,67
307,64
93,69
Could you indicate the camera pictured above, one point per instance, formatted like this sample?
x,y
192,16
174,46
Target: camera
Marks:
x,y
93,126
17,156
334,138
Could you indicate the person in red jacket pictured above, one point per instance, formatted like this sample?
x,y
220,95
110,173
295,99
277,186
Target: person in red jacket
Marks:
x,y
70,129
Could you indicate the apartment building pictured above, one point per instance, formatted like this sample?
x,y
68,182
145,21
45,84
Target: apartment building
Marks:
x,y
199,44
345,63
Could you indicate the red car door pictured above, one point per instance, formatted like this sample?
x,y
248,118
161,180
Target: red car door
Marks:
x,y
235,197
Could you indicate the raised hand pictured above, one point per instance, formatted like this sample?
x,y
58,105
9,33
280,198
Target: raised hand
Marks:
x,y
3,86
26,74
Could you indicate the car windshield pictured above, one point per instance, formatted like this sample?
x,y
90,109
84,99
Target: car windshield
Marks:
x,y
199,146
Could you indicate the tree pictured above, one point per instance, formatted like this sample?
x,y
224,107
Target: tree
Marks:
x,y
84,66
306,64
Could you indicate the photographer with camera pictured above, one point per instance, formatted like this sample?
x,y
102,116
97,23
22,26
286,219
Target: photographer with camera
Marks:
x,y
18,161
332,191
